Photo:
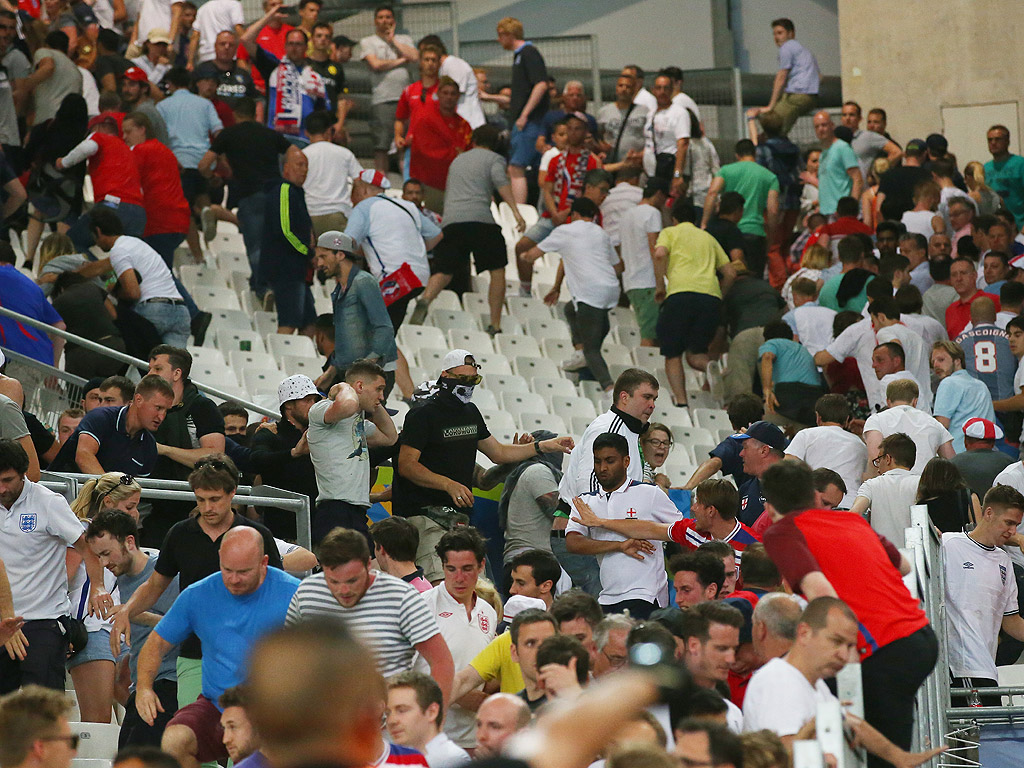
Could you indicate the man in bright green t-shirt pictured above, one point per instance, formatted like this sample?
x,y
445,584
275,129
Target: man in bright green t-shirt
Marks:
x,y
760,190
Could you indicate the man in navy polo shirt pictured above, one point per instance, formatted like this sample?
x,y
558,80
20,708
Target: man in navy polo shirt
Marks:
x,y
119,439
764,444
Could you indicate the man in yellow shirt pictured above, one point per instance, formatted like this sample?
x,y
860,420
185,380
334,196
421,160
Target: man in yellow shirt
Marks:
x,y
697,271
496,661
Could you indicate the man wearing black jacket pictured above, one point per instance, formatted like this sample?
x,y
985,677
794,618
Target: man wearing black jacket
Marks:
x,y
281,456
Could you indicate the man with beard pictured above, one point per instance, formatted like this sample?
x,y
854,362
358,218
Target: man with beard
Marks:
x,y
281,456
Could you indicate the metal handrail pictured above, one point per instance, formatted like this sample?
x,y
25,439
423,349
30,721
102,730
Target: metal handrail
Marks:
x,y
179,490
121,357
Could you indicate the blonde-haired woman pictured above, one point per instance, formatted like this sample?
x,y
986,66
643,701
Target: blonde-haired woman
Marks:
x,y
987,199
815,259
869,211
92,668
57,254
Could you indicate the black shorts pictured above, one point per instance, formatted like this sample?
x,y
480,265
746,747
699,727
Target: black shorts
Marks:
x,y
687,323
460,240
193,184
397,309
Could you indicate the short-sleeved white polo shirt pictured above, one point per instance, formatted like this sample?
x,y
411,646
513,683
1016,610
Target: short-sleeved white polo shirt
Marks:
x,y
466,636
34,534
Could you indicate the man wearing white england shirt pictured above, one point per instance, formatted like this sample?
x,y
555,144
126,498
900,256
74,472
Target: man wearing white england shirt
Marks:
x,y
467,622
903,415
632,572
37,527
784,694
981,591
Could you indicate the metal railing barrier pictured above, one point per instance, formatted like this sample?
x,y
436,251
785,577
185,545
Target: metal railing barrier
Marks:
x,y
68,484
113,354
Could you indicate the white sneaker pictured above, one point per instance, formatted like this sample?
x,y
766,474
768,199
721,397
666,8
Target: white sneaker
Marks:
x,y
576,362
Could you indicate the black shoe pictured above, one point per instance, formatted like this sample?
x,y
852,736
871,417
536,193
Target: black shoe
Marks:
x,y
200,324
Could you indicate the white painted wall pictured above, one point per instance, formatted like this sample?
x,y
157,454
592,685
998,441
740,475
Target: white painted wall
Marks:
x,y
817,27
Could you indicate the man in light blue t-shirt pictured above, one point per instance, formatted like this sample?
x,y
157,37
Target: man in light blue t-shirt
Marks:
x,y
789,377
838,170
795,90
228,611
959,395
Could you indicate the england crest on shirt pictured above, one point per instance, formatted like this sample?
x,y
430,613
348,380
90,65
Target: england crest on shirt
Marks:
x,y
28,522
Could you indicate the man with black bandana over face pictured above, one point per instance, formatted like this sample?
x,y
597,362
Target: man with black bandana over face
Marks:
x,y
437,455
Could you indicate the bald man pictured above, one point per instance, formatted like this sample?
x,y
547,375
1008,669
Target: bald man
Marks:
x,y
228,612
987,353
838,170
498,718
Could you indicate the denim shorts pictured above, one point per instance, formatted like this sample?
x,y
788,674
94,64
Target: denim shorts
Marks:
x,y
540,230
97,649
523,145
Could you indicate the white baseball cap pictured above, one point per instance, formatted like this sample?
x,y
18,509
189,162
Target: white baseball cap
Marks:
x,y
519,603
3,359
336,241
295,388
457,357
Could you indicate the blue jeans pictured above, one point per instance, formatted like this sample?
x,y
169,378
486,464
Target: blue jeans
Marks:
x,y
133,219
583,569
165,244
250,221
171,321
295,307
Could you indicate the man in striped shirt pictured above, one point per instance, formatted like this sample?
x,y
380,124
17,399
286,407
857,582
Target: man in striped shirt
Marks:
x,y
383,611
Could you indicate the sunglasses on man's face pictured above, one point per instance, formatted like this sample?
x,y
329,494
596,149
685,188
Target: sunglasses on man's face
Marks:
x,y
215,463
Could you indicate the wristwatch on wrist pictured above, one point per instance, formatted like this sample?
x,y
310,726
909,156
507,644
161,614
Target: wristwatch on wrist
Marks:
x,y
536,447
677,175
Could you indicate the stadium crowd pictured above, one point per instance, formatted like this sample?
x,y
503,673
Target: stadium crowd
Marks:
x,y
857,305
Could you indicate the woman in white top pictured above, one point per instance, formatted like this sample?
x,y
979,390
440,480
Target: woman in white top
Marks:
x,y
815,259
702,164
92,667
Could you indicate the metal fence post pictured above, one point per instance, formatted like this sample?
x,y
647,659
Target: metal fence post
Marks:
x,y
737,95
595,71
453,15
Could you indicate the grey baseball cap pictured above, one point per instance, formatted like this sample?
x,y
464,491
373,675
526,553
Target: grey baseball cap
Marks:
x,y
336,241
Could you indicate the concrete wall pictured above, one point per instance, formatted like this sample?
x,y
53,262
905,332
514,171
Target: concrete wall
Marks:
x,y
817,27
926,58
655,33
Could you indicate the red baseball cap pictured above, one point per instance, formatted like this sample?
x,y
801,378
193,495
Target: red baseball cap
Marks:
x,y
982,429
136,74
107,117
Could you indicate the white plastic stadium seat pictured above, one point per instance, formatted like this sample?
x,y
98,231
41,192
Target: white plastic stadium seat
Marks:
x,y
546,387
476,303
523,402
207,356
548,328
648,358
694,435
504,382
412,337
498,420
712,418
616,354
211,298
484,398
492,362
96,740
477,342
298,345
292,364
571,406
558,349
531,422
261,381
429,358
231,318
515,346
447,300
264,322
529,367
229,339
446,319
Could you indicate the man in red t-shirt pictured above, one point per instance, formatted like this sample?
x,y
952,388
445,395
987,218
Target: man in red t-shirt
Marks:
x,y
963,276
115,178
846,222
437,134
417,95
837,554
